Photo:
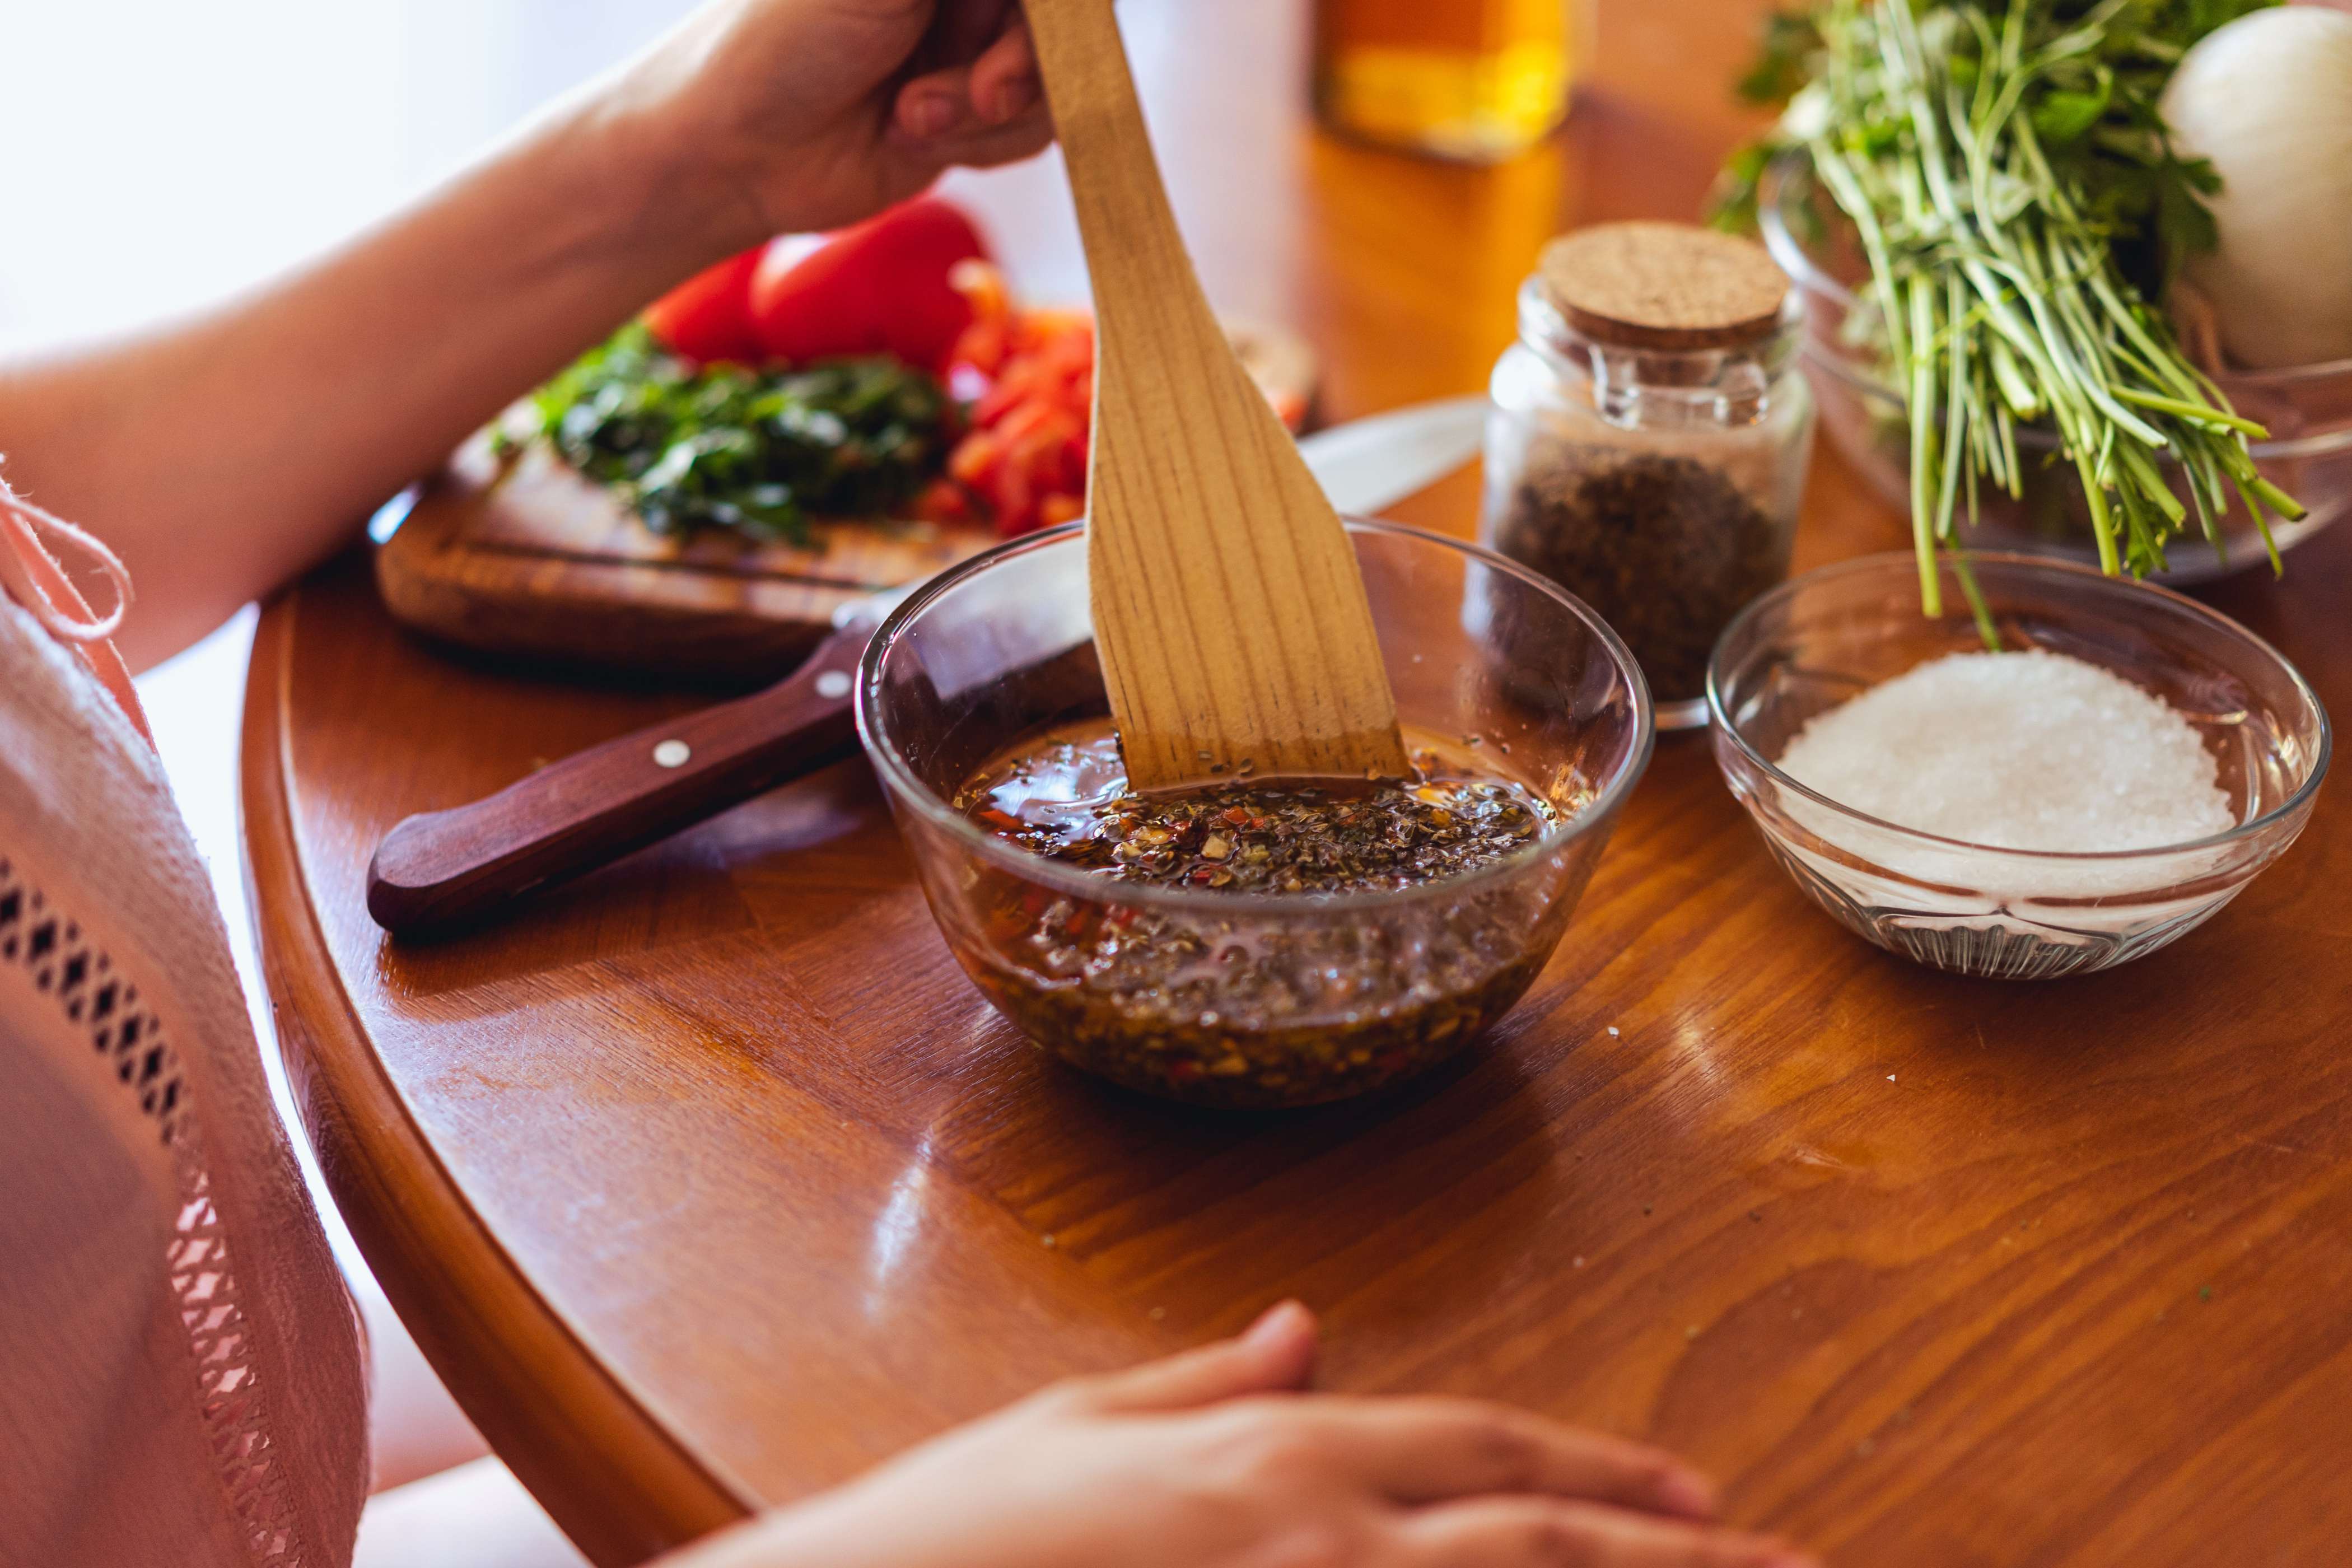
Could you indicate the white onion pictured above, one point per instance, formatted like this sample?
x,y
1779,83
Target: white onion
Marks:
x,y
2269,99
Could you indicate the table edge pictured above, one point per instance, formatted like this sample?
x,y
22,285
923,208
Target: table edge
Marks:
x,y
623,1487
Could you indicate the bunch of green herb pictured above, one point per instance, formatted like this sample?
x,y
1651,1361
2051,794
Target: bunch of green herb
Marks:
x,y
2010,181
723,446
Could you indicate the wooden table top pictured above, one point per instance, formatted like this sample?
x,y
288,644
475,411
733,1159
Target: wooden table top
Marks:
x,y
711,1179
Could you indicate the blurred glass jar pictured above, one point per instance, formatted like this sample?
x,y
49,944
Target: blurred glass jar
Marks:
x,y
1648,444
1474,80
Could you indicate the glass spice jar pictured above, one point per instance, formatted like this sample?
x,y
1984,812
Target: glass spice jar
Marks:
x,y
1649,439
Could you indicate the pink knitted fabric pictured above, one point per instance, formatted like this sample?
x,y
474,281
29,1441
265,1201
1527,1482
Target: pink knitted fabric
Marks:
x,y
181,1378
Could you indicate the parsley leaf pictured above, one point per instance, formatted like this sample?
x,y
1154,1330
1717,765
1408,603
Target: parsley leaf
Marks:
x,y
759,452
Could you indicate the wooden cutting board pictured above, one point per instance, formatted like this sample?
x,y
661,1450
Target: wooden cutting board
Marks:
x,y
521,557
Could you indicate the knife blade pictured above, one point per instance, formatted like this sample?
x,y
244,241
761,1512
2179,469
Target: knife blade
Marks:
x,y
1369,464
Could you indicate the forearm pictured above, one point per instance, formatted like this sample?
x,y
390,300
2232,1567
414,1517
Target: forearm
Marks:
x,y
223,454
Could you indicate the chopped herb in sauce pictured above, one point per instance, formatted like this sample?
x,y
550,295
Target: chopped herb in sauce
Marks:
x,y
1068,802
1259,1007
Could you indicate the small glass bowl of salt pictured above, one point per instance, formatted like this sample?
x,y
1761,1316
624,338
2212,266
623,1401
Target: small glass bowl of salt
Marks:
x,y
2126,765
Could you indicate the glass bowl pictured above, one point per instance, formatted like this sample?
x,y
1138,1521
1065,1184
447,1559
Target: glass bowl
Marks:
x,y
1251,999
2307,408
1826,636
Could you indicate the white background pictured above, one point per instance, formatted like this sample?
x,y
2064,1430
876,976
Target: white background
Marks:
x,y
159,154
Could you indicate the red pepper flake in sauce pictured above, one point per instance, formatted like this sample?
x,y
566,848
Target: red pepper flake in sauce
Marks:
x,y
1262,1008
1067,801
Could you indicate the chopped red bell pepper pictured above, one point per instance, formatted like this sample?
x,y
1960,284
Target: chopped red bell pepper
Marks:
x,y
880,287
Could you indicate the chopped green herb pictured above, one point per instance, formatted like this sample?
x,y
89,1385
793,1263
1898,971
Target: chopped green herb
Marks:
x,y
760,452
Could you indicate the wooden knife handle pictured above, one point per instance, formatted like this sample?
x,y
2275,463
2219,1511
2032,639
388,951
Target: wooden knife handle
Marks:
x,y
446,868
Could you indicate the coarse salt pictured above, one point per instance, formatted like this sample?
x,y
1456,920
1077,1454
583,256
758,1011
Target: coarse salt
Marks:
x,y
2021,751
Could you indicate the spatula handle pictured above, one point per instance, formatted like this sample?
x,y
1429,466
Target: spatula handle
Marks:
x,y
1229,611
1142,276
444,868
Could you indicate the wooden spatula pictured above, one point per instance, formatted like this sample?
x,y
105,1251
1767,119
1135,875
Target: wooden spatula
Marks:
x,y
1231,617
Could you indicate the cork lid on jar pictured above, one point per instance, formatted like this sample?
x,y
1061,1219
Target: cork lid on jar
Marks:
x,y
1664,286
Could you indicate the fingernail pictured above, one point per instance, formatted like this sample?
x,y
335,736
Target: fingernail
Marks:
x,y
931,114
1012,101
1275,1324
1692,1496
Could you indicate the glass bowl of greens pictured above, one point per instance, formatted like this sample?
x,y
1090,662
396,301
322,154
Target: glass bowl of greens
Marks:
x,y
2306,410
1822,640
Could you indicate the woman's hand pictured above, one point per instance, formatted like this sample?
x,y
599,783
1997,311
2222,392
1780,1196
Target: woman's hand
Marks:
x,y
780,116
1216,1459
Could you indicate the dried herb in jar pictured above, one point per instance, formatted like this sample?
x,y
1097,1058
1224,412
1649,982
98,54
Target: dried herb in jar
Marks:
x,y
1649,439
1666,547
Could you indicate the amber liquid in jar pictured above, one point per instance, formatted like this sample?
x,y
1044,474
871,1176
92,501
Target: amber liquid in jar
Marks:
x,y
1476,79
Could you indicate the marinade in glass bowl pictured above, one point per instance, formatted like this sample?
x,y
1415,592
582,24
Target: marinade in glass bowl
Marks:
x,y
1337,962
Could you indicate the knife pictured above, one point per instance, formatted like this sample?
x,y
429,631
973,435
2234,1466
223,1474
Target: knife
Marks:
x,y
1369,464
445,869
